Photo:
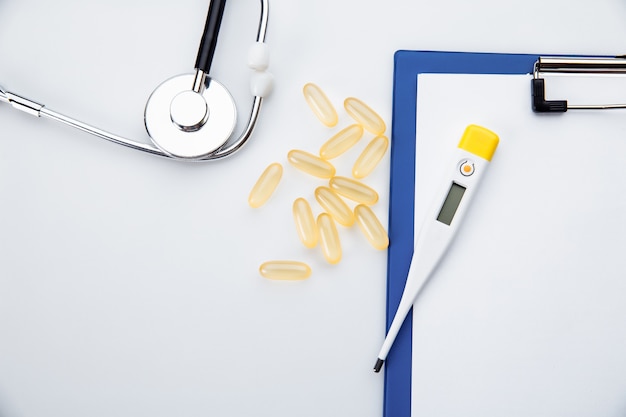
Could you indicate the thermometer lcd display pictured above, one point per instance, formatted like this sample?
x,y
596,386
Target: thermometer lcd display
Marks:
x,y
451,203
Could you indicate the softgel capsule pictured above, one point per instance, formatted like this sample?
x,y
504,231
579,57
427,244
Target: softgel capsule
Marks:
x,y
335,206
320,104
285,270
322,230
370,157
354,190
329,238
311,164
362,113
371,227
305,222
341,142
265,185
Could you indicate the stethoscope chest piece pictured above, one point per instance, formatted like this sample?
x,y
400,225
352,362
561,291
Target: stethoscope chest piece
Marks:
x,y
187,120
188,117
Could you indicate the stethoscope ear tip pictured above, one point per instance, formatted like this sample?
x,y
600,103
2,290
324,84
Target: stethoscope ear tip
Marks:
x,y
259,56
261,84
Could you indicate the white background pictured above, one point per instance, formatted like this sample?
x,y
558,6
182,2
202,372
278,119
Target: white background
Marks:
x,y
128,283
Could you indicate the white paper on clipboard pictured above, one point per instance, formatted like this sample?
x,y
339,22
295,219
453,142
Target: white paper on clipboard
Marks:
x,y
526,313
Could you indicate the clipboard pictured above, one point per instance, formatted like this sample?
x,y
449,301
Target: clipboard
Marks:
x,y
408,65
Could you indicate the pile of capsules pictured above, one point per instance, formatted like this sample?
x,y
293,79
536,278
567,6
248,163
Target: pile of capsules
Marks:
x,y
323,230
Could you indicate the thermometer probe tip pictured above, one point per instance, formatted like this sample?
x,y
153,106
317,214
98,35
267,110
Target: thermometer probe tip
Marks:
x,y
379,365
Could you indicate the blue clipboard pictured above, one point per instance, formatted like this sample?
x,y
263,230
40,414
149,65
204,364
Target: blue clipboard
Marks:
x,y
407,65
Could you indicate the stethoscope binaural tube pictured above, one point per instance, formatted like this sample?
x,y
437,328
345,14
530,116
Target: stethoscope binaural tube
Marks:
x,y
198,83
209,36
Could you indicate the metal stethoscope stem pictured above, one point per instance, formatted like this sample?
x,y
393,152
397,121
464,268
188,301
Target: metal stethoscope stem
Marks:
x,y
199,81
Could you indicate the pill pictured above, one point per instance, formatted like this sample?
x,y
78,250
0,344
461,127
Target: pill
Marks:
x,y
285,270
311,164
354,190
341,142
265,185
320,104
371,227
329,238
370,157
363,114
334,205
305,222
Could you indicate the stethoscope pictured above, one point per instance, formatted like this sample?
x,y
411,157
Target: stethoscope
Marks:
x,y
190,116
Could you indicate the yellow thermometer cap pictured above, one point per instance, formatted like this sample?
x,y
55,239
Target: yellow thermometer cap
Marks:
x,y
479,141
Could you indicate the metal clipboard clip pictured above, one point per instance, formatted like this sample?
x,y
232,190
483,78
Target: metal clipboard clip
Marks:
x,y
559,65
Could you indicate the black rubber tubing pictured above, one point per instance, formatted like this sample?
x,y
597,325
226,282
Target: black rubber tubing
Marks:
x,y
209,37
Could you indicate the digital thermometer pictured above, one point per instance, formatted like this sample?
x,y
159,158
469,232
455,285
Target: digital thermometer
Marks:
x,y
475,150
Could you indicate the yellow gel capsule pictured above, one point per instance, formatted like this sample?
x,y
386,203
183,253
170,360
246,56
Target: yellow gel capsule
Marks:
x,y
341,142
335,206
371,227
370,157
354,190
319,103
329,238
311,164
363,114
305,222
265,185
285,270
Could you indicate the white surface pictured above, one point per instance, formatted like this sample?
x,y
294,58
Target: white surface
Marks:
x,y
525,315
129,283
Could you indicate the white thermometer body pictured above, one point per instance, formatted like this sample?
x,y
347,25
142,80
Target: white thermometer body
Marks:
x,y
444,218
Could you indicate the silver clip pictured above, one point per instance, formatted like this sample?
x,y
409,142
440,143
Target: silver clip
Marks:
x,y
560,65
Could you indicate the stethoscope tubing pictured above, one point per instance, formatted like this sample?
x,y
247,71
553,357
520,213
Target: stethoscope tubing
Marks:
x,y
230,147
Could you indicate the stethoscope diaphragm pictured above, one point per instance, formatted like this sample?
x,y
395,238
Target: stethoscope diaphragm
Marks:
x,y
188,124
